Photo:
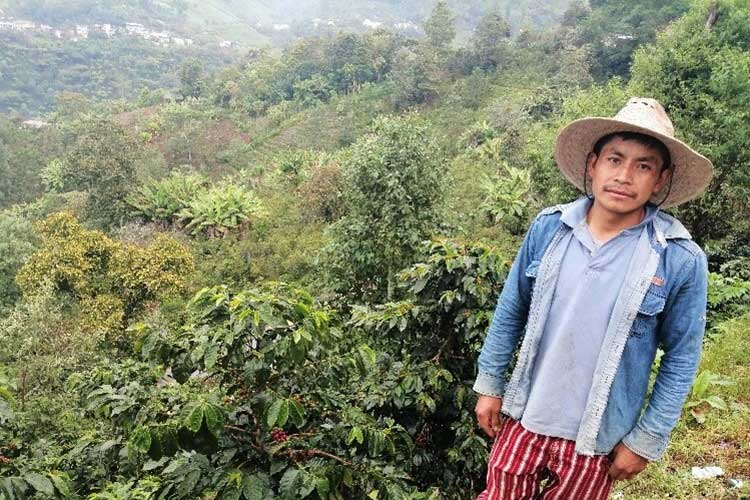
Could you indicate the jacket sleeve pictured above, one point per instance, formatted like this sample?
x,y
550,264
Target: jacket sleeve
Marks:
x,y
508,321
681,334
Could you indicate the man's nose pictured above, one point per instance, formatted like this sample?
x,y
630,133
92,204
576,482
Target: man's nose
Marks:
x,y
625,174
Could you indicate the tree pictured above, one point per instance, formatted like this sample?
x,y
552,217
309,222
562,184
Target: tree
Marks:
x,y
701,77
111,281
439,26
5,178
414,76
490,41
394,188
615,28
17,243
575,13
191,78
22,156
102,162
265,393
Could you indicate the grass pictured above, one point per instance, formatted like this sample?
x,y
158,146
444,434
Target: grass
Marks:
x,y
723,440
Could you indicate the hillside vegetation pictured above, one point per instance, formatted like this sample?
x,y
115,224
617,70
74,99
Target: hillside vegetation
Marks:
x,y
36,65
275,283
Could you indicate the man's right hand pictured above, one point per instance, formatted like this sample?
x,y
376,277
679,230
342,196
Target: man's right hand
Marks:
x,y
488,414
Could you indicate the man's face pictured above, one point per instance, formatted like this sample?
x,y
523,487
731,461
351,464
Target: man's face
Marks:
x,y
625,176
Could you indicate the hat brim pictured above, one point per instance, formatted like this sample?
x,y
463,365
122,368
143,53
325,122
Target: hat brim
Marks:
x,y
692,172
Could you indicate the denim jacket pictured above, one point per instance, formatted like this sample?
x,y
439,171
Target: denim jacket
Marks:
x,y
662,303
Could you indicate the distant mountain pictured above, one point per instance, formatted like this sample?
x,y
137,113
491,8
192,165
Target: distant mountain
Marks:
x,y
115,48
275,22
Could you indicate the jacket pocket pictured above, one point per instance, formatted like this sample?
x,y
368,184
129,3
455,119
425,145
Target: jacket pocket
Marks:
x,y
648,312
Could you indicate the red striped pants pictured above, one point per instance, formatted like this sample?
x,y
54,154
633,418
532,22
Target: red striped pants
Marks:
x,y
521,460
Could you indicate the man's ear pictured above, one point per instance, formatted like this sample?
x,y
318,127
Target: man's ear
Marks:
x,y
590,162
664,177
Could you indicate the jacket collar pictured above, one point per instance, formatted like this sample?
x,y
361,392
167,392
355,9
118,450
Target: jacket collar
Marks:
x,y
666,227
671,228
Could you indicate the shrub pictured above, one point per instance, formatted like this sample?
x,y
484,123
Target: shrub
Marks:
x,y
292,165
114,280
102,162
268,394
219,210
161,200
323,193
395,188
505,201
17,243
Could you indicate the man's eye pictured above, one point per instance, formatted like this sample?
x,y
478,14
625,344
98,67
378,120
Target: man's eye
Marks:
x,y
614,160
644,166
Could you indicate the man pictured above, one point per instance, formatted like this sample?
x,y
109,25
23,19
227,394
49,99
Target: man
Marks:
x,y
596,287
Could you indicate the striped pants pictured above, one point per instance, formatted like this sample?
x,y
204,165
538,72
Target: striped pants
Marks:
x,y
528,466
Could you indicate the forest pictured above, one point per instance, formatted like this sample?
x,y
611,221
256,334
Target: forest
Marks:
x,y
271,276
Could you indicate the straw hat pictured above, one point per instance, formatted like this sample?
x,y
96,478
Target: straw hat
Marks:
x,y
691,173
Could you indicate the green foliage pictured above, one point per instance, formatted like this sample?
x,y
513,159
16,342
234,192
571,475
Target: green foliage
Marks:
x,y
221,209
613,30
191,74
40,346
161,200
727,297
263,393
313,90
17,243
490,42
414,77
4,188
110,280
322,193
23,153
100,68
475,88
278,363
33,485
505,201
293,165
439,26
701,398
53,176
101,161
309,71
435,333
699,75
394,189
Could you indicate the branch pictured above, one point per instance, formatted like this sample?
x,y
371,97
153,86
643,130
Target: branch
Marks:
x,y
251,442
321,453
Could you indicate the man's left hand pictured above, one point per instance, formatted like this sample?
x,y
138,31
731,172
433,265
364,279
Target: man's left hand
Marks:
x,y
625,463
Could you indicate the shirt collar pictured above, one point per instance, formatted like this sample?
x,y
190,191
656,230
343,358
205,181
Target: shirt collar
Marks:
x,y
575,213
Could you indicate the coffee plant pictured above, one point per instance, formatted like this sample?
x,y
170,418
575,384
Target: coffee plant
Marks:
x,y
265,393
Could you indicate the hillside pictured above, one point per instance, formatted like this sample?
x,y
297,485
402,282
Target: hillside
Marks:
x,y
254,22
107,50
273,281
35,69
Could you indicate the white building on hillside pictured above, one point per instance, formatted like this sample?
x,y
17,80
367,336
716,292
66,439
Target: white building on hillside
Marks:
x,y
135,28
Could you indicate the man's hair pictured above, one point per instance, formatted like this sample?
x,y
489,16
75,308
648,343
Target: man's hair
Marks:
x,y
643,139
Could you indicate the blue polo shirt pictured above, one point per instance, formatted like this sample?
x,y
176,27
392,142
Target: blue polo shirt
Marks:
x,y
591,275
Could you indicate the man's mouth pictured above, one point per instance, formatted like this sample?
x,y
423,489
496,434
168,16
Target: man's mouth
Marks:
x,y
619,192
